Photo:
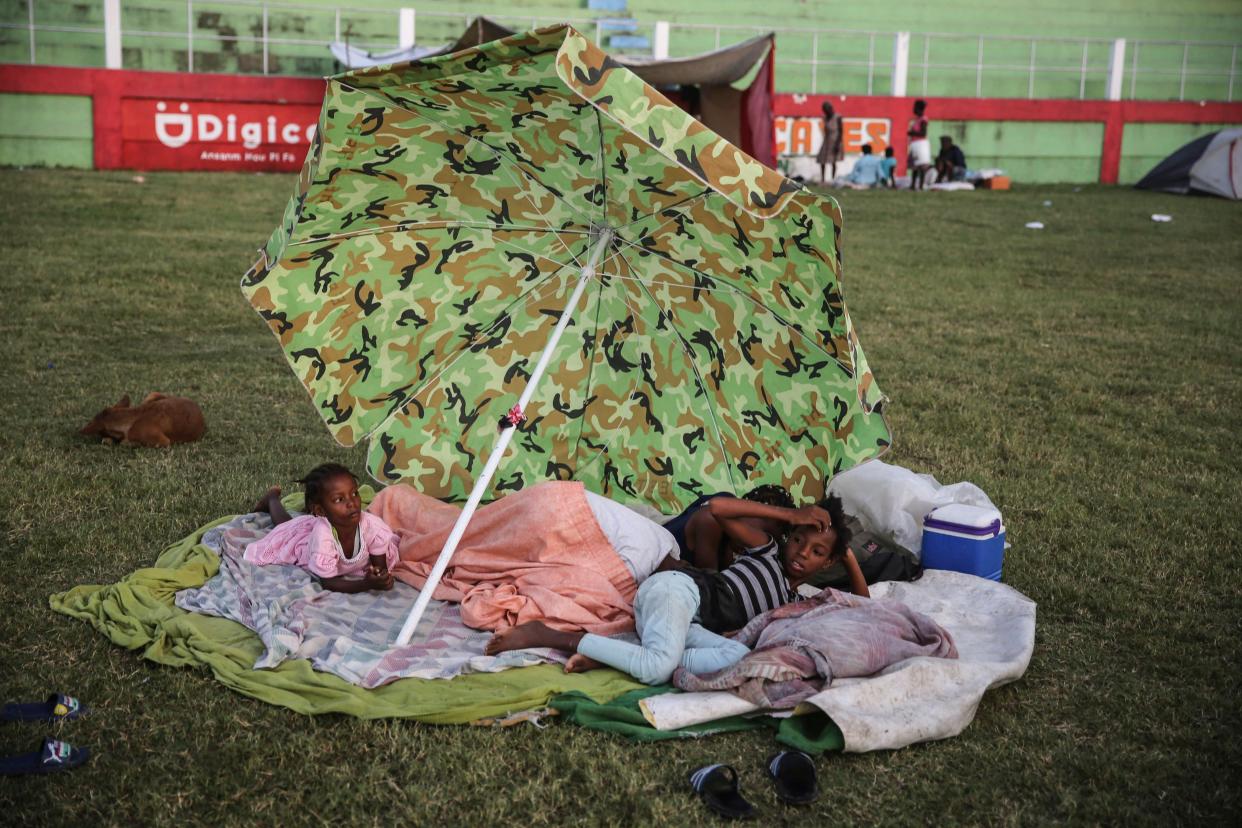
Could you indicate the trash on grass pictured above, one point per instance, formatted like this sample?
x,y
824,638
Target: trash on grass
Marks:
x,y
1035,225
1160,217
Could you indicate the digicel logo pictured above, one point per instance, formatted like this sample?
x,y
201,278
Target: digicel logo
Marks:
x,y
176,129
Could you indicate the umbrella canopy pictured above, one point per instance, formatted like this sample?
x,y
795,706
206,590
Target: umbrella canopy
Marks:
x,y
447,210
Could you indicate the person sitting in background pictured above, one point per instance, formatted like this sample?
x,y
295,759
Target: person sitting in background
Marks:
x,y
888,168
951,162
866,172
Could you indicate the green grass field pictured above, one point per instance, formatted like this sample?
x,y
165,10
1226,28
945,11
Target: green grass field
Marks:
x,y
1088,376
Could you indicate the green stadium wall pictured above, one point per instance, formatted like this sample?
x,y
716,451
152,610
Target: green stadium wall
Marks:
x,y
44,129
224,38
1030,151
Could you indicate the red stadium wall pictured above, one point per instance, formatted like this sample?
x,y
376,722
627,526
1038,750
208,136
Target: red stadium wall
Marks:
x,y
872,111
184,121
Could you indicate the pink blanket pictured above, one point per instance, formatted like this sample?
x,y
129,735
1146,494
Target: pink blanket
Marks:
x,y
535,554
798,649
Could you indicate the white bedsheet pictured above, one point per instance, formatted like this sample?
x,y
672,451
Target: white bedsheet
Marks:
x,y
916,700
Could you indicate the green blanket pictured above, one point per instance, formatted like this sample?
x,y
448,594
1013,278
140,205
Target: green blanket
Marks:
x,y
139,613
814,733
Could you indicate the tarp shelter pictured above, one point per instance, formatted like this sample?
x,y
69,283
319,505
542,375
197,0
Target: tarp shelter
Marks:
x,y
481,30
702,85
1211,164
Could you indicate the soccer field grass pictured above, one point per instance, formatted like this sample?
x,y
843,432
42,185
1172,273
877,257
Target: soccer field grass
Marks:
x,y
1088,376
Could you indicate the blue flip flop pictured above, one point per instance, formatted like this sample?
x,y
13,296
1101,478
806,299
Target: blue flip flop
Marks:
x,y
717,786
57,708
52,756
793,773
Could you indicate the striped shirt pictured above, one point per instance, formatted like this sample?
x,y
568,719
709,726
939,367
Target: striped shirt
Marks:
x,y
759,581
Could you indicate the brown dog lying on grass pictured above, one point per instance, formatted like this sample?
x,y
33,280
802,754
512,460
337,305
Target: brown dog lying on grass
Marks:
x,y
158,422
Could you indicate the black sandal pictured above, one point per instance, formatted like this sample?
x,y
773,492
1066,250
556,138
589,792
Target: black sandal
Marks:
x,y
717,786
794,774
53,755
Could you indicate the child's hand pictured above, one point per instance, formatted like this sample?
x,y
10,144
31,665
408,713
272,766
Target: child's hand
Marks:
x,y
382,582
377,566
810,516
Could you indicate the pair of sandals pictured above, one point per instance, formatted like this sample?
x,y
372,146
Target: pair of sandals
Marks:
x,y
792,772
52,755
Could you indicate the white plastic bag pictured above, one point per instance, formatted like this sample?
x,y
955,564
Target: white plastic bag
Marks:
x,y
893,500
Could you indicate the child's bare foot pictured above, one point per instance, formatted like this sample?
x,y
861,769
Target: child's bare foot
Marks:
x,y
264,504
578,663
525,636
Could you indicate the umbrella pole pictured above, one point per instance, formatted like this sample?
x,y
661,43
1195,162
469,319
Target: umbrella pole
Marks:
x,y
498,450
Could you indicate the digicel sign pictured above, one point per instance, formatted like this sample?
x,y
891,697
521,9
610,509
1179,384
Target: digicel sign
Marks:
x,y
180,134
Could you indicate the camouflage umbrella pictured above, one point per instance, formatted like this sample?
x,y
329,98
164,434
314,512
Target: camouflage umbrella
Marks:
x,y
450,217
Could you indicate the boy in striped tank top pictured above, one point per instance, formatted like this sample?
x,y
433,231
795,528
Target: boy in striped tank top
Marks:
x,y
680,611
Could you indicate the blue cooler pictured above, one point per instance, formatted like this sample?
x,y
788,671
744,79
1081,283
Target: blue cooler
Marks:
x,y
965,539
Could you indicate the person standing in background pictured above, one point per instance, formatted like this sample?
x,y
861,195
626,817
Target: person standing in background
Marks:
x,y
919,158
830,150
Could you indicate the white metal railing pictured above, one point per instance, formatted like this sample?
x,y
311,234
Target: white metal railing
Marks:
x,y
941,63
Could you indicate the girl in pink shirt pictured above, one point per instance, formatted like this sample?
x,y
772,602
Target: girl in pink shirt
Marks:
x,y
349,550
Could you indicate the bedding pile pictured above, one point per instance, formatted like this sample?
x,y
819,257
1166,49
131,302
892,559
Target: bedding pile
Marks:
x,y
349,635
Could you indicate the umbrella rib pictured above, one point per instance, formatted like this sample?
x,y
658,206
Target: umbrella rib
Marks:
x,y
508,243
579,467
603,168
495,152
685,202
726,286
520,301
638,319
599,301
430,381
444,225
685,347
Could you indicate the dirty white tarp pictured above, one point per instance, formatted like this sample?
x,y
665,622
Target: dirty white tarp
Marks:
x,y
916,700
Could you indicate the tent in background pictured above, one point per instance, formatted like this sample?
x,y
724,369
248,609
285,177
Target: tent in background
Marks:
x,y
1211,164
702,85
480,30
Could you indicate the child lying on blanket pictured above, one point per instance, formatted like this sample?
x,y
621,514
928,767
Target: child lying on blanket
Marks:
x,y
680,612
334,540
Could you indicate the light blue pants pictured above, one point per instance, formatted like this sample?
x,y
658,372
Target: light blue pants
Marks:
x,y
664,613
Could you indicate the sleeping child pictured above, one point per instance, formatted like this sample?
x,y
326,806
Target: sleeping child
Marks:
x,y
701,538
347,549
680,612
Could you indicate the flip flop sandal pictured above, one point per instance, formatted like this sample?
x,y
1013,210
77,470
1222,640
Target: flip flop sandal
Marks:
x,y
57,708
717,786
53,756
794,774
